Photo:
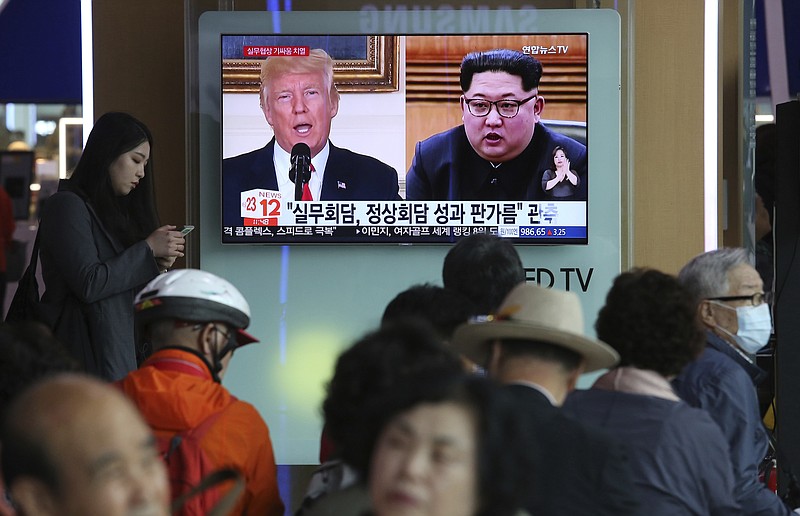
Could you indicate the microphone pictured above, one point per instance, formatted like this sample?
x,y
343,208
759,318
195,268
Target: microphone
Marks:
x,y
301,168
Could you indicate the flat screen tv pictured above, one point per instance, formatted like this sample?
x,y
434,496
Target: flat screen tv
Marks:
x,y
398,77
399,85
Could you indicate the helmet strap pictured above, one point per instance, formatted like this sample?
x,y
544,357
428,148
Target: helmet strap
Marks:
x,y
216,365
218,354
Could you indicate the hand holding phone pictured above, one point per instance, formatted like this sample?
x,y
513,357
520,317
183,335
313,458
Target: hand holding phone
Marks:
x,y
185,230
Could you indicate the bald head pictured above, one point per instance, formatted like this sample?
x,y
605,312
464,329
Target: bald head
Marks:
x,y
74,445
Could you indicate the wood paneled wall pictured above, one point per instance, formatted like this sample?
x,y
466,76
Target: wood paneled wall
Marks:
x,y
665,131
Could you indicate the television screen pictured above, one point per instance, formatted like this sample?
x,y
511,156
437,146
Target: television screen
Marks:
x,y
398,73
412,155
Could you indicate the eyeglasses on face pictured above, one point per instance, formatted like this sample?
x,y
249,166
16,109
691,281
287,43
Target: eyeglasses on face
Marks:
x,y
199,326
507,108
225,334
755,299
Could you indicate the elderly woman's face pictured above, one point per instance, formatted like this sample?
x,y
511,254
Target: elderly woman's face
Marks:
x,y
425,463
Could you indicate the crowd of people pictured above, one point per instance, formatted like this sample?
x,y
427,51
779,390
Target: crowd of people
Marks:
x,y
462,403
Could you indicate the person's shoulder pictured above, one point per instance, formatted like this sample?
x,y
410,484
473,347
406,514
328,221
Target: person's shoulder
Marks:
x,y
692,427
716,373
580,431
589,399
64,200
358,160
579,397
448,137
570,144
529,395
712,363
682,414
243,411
246,157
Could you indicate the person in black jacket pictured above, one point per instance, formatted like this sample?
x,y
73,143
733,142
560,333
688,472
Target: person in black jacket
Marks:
x,y
299,100
534,345
502,149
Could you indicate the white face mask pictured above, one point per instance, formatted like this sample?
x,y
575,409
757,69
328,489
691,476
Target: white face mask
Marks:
x,y
755,327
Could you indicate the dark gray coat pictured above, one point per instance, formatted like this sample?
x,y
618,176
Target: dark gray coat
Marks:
x,y
90,283
679,456
582,470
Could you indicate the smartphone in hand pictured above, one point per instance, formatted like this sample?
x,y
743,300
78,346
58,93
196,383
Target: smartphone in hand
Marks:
x,y
185,230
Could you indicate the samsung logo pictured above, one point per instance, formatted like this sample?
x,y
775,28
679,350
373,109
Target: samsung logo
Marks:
x,y
429,20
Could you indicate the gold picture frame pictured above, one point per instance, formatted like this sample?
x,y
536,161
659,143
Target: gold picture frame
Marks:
x,y
376,72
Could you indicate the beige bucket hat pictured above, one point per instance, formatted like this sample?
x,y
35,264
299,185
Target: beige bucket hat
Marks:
x,y
540,314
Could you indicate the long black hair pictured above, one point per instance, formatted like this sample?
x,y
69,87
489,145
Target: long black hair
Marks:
x,y
129,218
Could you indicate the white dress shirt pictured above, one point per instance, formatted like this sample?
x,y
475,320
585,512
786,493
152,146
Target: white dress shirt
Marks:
x,y
281,159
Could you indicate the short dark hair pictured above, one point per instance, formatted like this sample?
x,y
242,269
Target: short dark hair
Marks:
x,y
372,367
445,309
512,62
504,459
566,358
651,320
28,354
484,268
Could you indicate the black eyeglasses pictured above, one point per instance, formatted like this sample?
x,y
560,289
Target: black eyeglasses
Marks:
x,y
755,299
226,335
507,108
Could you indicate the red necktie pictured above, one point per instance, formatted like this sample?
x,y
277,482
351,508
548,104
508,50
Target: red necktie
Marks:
x,y
306,190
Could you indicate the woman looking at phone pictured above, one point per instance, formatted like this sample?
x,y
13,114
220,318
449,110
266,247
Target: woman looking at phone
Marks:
x,y
100,241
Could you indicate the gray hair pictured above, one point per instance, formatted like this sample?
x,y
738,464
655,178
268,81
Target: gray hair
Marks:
x,y
706,275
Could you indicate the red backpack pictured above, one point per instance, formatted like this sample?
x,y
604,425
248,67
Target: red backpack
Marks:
x,y
188,465
193,478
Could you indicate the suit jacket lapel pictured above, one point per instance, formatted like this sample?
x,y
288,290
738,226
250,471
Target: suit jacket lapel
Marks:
x,y
263,172
335,174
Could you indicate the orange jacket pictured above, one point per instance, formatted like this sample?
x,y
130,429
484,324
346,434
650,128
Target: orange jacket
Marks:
x,y
176,399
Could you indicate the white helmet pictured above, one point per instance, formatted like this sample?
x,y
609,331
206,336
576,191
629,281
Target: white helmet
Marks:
x,y
196,296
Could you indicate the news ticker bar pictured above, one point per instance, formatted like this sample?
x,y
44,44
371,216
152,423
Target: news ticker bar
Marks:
x,y
264,208
554,234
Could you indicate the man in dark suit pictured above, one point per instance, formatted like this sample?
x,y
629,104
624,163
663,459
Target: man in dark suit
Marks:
x,y
502,150
533,346
299,100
